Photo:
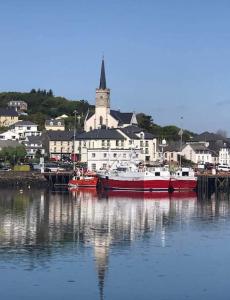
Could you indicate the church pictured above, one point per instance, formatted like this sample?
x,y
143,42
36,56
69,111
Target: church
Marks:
x,y
104,117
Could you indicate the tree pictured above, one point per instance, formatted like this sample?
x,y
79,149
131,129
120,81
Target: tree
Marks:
x,y
13,154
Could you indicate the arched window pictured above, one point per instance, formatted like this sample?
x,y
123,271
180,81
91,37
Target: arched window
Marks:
x,y
101,120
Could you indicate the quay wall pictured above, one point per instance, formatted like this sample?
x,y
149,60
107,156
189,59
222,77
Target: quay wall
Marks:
x,y
22,179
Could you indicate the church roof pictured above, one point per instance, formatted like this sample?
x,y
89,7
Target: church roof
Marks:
x,y
101,134
102,85
123,118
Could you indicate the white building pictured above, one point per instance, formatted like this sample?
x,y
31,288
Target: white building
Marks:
x,y
25,128
9,135
198,153
93,147
224,155
104,117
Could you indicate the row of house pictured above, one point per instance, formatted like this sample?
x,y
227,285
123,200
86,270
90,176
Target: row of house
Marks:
x,y
109,136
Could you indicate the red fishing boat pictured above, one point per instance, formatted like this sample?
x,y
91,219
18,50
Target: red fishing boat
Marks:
x,y
88,179
135,179
183,179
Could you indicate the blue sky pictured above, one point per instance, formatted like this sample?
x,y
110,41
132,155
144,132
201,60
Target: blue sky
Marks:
x,y
164,58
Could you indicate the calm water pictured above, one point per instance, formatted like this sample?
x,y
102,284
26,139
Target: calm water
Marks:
x,y
80,245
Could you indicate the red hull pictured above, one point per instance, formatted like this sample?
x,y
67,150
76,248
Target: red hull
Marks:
x,y
141,185
84,182
183,184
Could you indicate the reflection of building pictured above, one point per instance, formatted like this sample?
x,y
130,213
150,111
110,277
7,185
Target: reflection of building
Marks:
x,y
43,218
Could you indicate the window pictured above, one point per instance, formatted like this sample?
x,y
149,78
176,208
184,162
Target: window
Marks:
x,y
122,143
59,123
117,143
101,120
93,154
103,143
28,127
146,143
93,167
141,143
105,155
171,154
51,123
90,128
124,155
114,155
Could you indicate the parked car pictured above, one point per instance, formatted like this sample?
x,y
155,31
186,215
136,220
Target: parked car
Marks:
x,y
224,168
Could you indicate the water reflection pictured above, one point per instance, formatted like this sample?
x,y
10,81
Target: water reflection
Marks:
x,y
42,223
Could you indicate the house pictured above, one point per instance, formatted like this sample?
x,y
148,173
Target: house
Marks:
x,y
197,152
9,135
8,116
58,144
55,124
172,152
19,106
103,116
33,145
25,128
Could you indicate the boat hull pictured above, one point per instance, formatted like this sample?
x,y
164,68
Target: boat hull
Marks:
x,y
183,184
135,185
83,182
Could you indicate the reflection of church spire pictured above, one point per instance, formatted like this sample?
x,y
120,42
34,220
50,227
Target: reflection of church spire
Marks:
x,y
101,251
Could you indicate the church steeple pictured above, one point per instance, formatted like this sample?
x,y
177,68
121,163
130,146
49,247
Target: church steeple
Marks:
x,y
102,85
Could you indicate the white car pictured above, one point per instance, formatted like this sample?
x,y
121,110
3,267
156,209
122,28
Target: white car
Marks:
x,y
224,168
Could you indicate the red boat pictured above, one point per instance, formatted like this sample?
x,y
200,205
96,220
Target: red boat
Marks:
x,y
183,179
85,180
128,178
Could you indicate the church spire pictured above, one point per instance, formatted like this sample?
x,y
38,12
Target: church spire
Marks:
x,y
102,85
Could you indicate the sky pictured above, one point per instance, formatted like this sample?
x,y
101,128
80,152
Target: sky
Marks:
x,y
168,59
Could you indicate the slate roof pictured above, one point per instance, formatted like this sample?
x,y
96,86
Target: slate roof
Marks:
x,y
173,147
9,143
24,123
58,135
123,118
34,139
9,112
198,147
101,134
132,131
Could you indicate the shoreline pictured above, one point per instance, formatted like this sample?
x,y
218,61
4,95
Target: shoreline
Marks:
x,y
23,179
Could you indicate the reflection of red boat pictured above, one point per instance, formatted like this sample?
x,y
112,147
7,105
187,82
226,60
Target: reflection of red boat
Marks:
x,y
86,180
182,195
137,194
83,191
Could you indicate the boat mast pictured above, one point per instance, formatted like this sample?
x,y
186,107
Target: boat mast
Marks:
x,y
181,139
74,138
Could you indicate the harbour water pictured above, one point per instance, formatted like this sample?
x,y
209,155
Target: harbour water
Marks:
x,y
85,245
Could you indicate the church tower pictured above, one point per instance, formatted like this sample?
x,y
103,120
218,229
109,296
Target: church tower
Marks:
x,y
102,108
